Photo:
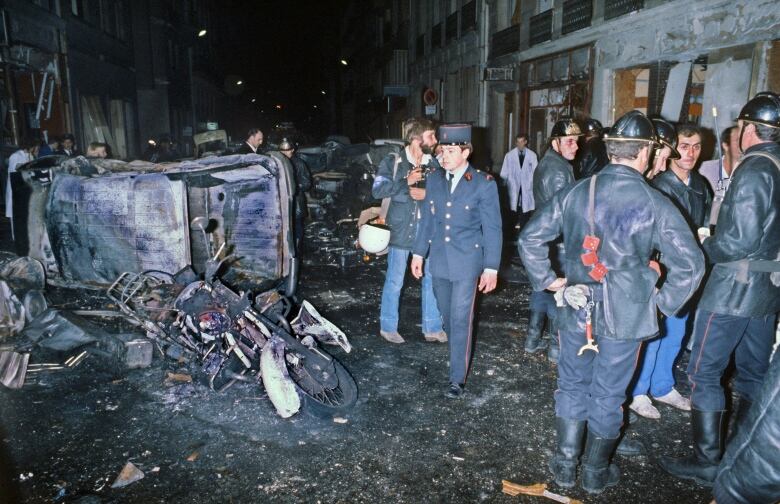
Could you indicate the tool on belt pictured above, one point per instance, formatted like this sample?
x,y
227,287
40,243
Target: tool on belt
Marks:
x,y
580,296
591,242
589,345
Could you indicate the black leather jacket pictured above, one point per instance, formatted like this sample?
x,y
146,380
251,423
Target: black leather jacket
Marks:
x,y
302,184
748,229
631,220
552,174
750,470
592,157
693,199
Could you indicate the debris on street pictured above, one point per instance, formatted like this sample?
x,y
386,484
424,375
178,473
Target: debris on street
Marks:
x,y
129,474
538,489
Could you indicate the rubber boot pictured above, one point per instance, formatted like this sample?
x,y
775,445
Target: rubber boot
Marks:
x,y
597,472
563,465
702,466
533,339
740,416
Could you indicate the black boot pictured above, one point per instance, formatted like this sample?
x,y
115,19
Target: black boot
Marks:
x,y
740,417
597,472
564,463
702,466
533,339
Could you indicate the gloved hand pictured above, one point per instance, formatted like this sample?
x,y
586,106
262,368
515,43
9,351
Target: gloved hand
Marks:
x,y
575,296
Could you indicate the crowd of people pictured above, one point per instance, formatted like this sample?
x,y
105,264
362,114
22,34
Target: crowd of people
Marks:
x,y
630,250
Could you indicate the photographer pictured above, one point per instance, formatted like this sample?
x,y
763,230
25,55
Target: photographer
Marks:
x,y
397,178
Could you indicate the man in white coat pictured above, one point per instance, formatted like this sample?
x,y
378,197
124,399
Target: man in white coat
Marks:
x,y
517,172
28,151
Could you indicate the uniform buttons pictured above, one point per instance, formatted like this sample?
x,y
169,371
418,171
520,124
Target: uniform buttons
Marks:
x,y
476,245
447,226
430,241
411,223
449,203
467,207
447,216
446,238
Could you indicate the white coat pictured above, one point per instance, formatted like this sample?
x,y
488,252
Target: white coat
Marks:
x,y
520,180
17,158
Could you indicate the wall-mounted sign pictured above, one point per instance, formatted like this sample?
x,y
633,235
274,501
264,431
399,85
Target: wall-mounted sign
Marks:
x,y
430,110
430,97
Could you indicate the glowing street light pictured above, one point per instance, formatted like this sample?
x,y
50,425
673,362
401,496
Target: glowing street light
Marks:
x,y
202,33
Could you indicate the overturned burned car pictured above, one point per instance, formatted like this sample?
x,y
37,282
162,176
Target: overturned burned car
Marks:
x,y
199,254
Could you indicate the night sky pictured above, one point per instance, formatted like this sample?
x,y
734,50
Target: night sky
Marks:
x,y
285,52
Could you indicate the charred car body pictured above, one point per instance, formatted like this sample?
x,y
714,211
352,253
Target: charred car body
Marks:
x,y
149,233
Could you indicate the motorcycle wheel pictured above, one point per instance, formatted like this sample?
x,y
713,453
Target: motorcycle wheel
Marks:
x,y
322,400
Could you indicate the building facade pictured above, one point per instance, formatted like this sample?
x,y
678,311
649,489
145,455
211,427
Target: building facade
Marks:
x,y
511,66
111,71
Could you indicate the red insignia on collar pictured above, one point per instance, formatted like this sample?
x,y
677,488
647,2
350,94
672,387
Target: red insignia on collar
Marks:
x,y
467,176
489,176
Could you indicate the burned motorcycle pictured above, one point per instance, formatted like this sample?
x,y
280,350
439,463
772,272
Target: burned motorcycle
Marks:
x,y
237,338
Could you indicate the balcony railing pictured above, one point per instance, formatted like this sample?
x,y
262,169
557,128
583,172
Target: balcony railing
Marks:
x,y
577,14
615,8
468,17
541,27
505,41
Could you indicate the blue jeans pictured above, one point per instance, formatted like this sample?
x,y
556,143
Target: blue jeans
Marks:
x,y
656,374
397,260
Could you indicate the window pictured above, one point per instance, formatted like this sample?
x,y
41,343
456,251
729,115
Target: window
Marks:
x,y
77,7
541,27
615,8
577,15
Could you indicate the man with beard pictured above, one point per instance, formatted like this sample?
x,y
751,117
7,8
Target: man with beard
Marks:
x,y
611,224
460,234
738,307
398,178
553,174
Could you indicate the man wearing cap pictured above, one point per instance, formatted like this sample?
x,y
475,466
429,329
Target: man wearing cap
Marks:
x,y
737,311
399,178
460,234
553,174
689,191
610,223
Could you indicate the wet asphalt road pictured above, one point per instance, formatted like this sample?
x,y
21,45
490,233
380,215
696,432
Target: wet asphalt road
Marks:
x,y
66,436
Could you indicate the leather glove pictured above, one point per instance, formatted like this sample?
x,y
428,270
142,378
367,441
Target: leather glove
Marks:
x,y
575,296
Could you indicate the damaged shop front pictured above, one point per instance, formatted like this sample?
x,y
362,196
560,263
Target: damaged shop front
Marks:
x,y
192,259
676,60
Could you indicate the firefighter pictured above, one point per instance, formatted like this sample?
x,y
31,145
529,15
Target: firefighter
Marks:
x,y
610,223
740,301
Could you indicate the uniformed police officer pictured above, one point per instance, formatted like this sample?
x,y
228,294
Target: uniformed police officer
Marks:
x,y
460,233
741,298
553,174
611,223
